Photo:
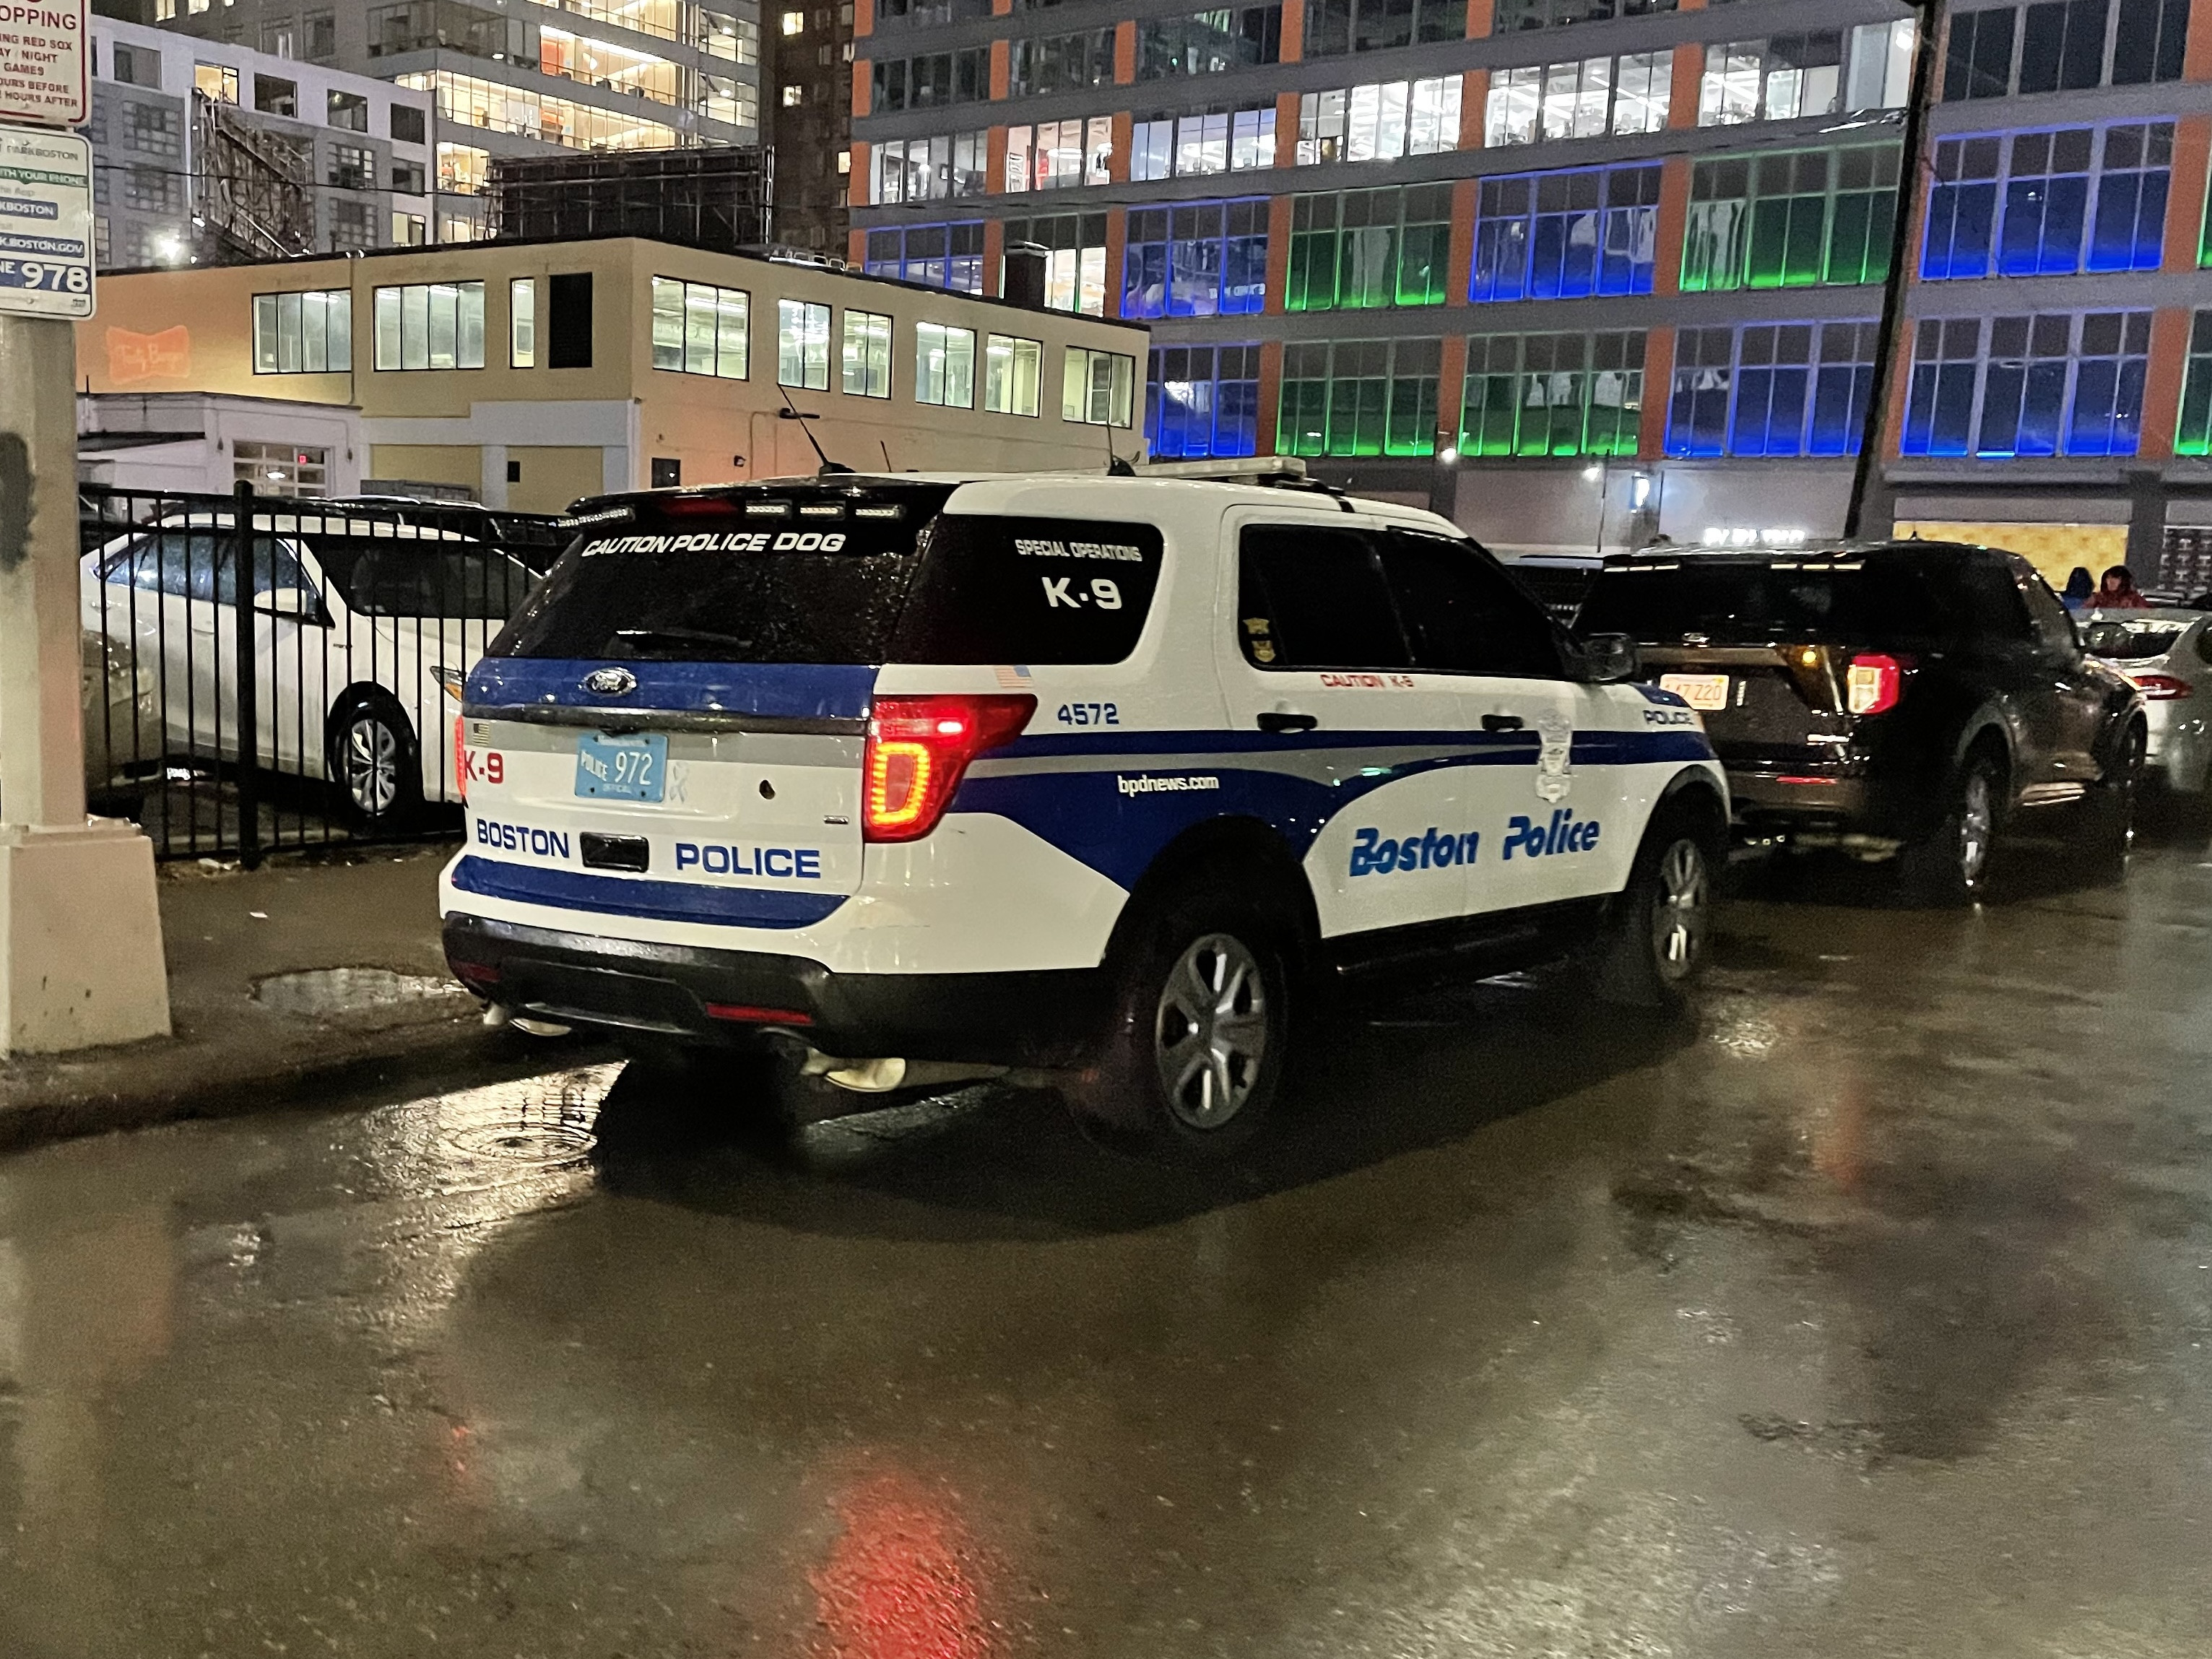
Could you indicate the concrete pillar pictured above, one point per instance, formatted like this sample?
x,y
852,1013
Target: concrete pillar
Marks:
x,y
2146,525
80,932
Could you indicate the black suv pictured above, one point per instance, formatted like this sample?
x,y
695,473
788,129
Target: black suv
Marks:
x,y
1894,699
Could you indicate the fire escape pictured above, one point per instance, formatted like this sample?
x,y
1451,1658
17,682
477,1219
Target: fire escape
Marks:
x,y
253,191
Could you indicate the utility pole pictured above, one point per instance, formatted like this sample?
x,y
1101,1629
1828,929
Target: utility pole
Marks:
x,y
1927,39
81,957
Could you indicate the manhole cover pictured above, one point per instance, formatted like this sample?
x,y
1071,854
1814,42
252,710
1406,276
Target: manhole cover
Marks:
x,y
322,991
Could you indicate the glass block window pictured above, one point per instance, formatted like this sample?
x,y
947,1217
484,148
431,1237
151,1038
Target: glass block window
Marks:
x,y
1552,394
936,256
1560,236
1585,99
1795,219
1379,123
2051,382
1196,260
1359,398
1172,146
1362,249
1202,401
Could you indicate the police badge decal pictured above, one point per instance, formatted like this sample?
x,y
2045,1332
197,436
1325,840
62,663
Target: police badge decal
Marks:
x,y
1554,770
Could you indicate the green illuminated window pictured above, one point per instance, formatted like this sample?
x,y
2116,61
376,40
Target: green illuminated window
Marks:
x,y
2194,436
1791,220
1552,394
1365,250
1359,398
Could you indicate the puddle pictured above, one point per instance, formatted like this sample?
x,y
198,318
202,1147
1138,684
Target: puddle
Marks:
x,y
324,991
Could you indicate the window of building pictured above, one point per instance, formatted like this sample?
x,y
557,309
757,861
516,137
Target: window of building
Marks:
x,y
1013,368
867,354
462,170
1207,142
1560,235
2062,44
1196,260
275,469
348,111
215,81
410,230
1512,15
1098,388
353,225
1791,220
1074,246
928,11
1054,155
407,178
153,129
569,319
936,256
274,96
1772,389
1552,394
320,37
1209,42
2193,436
309,333
793,93
1359,398
1379,123
2148,39
2021,204
276,37
802,344
1061,63
1361,249
1786,77
936,169
1977,56
1202,400
944,365
794,22
2058,45
1586,99
153,190
135,66
733,39
700,329
352,167
522,323
2049,384
1336,26
472,100
430,326
931,83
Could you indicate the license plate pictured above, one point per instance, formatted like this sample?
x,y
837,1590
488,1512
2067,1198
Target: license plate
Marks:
x,y
621,769
1705,691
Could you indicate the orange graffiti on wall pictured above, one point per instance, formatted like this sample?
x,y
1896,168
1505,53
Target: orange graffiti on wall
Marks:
x,y
135,357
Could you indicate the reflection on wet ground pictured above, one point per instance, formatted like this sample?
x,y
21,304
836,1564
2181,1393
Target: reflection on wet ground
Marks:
x,y
1863,1314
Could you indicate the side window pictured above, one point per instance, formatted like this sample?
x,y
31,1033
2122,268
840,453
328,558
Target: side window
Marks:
x,y
1993,606
2054,628
2204,644
1464,615
274,567
1313,597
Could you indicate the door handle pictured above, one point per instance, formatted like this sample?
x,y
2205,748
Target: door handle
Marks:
x,y
1275,720
1501,722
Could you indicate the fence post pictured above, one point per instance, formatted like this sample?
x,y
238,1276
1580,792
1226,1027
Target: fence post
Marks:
x,y
249,713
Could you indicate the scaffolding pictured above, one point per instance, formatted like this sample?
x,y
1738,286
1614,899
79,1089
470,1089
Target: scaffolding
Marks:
x,y
253,194
720,199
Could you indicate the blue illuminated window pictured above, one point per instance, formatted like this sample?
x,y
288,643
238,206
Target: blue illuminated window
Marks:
x,y
1198,259
1698,409
1939,410
2047,202
2024,387
1563,236
2109,365
1962,205
2129,230
937,256
1202,401
1771,389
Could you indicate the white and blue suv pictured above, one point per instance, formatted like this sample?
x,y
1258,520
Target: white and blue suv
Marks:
x,y
1110,778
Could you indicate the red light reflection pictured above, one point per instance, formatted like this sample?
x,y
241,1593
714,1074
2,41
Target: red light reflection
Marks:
x,y
896,1583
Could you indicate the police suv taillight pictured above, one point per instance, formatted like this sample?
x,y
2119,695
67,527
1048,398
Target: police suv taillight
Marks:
x,y
1874,681
918,748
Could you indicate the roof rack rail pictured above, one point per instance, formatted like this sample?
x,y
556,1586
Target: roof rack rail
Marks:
x,y
1264,472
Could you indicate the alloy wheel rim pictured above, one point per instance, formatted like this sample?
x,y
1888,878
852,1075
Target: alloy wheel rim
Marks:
x,y
1211,1030
371,765
1976,824
1679,920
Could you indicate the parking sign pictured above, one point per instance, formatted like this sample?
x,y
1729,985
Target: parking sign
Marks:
x,y
43,61
45,223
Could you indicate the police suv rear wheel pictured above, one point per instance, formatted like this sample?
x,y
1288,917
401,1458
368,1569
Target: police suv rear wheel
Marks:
x,y
1190,1065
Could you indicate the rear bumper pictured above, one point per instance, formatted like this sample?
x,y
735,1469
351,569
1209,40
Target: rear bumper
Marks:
x,y
1824,803
664,992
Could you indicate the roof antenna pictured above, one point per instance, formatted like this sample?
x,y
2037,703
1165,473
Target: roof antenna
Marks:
x,y
790,412
886,448
1115,466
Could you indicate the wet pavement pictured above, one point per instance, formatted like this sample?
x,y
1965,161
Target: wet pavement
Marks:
x,y
1864,1315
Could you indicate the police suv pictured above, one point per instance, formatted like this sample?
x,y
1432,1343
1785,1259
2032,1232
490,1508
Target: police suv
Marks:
x,y
1101,780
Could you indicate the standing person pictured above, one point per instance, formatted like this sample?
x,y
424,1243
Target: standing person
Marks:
x,y
2079,586
2118,591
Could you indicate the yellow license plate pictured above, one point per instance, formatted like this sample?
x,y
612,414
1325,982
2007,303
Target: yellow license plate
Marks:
x,y
1703,691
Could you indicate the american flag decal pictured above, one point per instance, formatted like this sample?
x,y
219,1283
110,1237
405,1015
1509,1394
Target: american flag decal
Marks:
x,y
1014,677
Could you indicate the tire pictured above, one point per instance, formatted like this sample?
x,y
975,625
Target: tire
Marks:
x,y
1656,940
373,761
1950,864
2110,830
1193,1058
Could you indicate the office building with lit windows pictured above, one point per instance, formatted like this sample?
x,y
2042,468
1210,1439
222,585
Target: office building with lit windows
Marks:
x,y
515,77
1583,271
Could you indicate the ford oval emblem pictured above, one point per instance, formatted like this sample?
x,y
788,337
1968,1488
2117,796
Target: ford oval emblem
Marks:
x,y
611,682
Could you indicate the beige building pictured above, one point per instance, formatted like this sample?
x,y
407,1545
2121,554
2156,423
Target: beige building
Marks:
x,y
531,374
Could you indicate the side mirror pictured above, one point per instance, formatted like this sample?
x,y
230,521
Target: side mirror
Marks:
x,y
1610,659
296,603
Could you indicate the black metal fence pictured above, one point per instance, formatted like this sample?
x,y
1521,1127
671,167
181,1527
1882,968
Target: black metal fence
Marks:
x,y
264,673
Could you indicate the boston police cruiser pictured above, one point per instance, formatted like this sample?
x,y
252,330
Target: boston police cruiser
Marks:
x,y
1104,781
